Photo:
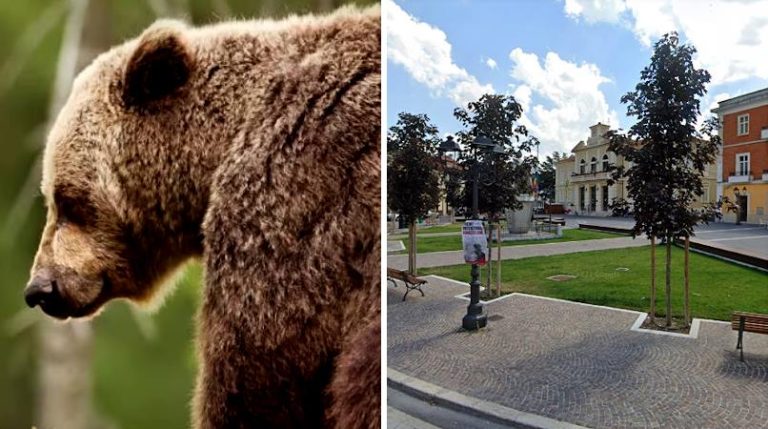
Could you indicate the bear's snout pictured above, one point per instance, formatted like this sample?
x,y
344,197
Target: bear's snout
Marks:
x,y
61,295
41,290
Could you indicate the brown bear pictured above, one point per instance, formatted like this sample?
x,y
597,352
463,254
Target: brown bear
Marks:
x,y
254,146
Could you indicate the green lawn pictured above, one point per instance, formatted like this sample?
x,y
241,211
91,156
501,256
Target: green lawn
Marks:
x,y
451,227
446,243
717,287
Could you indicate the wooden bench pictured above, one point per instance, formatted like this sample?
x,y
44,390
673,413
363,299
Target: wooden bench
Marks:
x,y
411,282
748,322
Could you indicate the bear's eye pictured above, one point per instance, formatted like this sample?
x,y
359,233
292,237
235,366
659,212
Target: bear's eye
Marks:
x,y
72,209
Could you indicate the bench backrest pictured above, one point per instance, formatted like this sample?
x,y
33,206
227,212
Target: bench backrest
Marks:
x,y
757,323
404,276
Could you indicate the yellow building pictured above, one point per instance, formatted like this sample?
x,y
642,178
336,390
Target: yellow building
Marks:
x,y
582,179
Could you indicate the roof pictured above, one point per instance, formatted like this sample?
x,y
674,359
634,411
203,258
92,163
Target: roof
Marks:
x,y
754,97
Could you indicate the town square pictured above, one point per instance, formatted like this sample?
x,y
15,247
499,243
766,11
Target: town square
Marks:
x,y
577,221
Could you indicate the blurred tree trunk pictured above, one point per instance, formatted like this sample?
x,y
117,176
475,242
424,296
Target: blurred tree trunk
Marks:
x,y
324,5
268,8
65,357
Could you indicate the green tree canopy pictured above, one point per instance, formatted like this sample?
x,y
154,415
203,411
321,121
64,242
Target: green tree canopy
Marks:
x,y
667,152
547,175
413,186
502,177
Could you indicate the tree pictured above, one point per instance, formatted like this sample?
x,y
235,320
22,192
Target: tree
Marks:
x,y
503,177
547,175
666,151
413,185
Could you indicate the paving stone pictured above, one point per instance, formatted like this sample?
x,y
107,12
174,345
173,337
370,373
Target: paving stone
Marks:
x,y
580,364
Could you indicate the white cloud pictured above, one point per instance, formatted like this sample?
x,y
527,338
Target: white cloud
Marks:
x,y
595,10
571,99
491,63
731,36
423,50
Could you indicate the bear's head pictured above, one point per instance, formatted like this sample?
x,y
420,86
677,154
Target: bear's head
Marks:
x,y
121,184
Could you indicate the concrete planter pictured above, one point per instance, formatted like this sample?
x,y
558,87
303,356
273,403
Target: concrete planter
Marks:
x,y
519,221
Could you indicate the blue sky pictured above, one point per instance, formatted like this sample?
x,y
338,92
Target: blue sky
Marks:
x,y
567,61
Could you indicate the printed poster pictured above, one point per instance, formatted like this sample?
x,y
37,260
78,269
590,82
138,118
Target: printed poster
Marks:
x,y
475,242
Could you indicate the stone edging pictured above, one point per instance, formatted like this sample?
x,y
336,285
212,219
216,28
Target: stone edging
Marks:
x,y
473,406
636,326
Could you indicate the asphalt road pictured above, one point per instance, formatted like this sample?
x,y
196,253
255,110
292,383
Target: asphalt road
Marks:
x,y
749,237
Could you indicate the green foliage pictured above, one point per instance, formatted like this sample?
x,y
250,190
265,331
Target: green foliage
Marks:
x,y
667,152
717,287
428,244
413,184
547,176
501,177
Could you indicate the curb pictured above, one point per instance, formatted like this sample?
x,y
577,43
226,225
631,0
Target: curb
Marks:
x,y
605,228
472,406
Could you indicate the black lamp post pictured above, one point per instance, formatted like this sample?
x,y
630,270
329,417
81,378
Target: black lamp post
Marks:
x,y
474,319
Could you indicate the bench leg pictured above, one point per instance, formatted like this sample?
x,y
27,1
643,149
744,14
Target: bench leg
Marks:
x,y
739,342
407,289
422,292
390,279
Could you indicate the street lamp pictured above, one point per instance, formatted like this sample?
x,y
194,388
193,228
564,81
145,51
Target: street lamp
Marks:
x,y
474,319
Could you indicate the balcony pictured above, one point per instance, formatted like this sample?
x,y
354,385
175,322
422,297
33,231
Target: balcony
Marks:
x,y
597,175
741,177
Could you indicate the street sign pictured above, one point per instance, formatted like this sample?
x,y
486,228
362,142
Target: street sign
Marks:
x,y
475,242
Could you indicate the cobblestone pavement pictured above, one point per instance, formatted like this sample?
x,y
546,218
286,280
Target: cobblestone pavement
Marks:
x,y
440,259
578,363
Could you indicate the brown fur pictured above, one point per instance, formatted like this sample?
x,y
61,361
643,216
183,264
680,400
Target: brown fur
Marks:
x,y
256,146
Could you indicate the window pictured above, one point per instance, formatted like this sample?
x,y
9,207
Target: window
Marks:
x,y
593,165
743,125
742,164
605,162
582,167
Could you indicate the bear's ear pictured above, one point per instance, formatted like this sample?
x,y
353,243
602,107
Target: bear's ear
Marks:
x,y
160,65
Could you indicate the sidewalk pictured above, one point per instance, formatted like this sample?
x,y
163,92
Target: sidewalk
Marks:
x,y
578,363
440,259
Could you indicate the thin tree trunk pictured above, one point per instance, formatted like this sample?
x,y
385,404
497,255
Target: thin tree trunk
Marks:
x,y
686,295
498,255
324,5
66,349
412,247
652,313
668,283
268,8
489,289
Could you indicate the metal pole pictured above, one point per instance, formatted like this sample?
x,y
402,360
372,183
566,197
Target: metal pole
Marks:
x,y
474,319
475,214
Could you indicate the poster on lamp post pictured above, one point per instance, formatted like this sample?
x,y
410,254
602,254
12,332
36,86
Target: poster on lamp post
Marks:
x,y
475,242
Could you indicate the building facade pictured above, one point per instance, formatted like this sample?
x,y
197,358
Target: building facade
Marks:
x,y
582,179
742,174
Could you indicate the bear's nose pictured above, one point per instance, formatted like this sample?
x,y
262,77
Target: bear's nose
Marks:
x,y
39,290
